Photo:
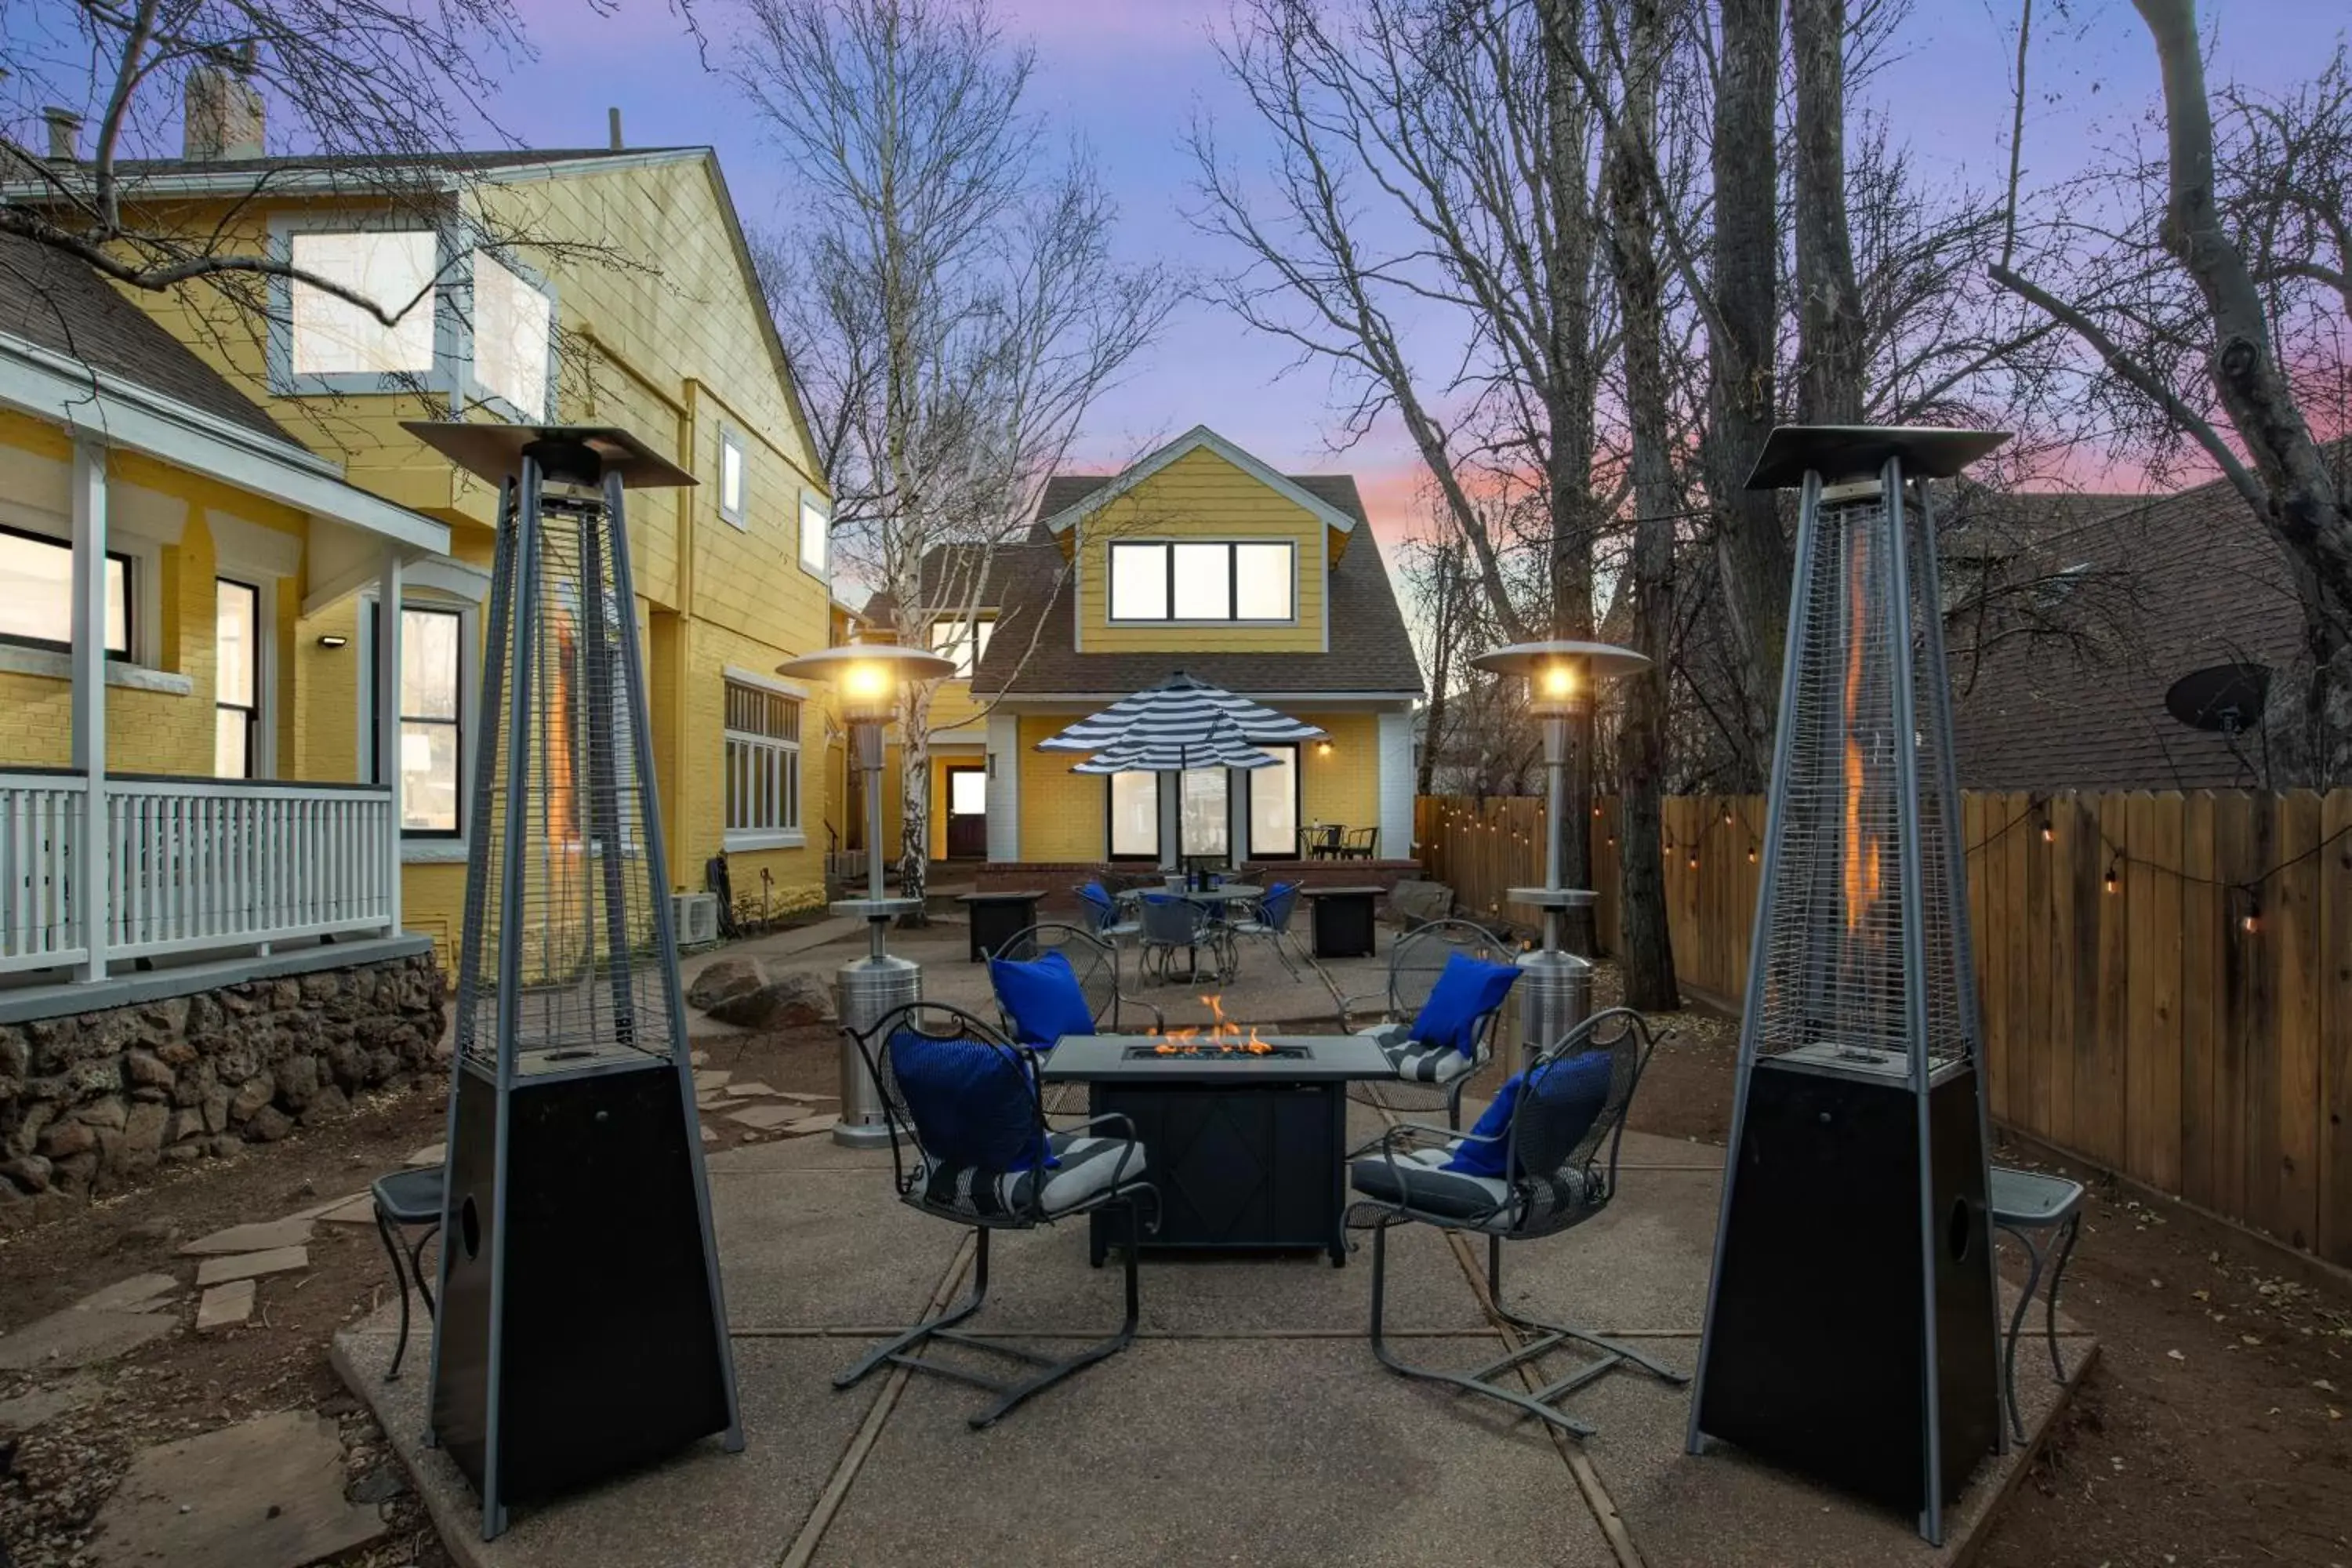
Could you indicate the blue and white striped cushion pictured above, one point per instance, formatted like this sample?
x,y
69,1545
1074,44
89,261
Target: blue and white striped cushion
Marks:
x,y
1083,1168
1414,1062
1419,1182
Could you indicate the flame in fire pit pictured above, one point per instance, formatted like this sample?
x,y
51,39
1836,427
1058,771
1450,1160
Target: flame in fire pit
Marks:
x,y
1225,1037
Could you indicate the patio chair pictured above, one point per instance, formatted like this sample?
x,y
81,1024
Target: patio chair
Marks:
x,y
1102,906
1170,922
970,1144
1319,842
1268,921
408,1200
1416,960
1550,1140
1092,960
1363,844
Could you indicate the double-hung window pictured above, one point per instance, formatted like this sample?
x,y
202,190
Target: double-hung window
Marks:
x,y
762,738
431,721
37,594
966,642
237,677
1203,581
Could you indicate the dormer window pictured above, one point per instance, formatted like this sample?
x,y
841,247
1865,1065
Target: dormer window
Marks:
x,y
966,642
393,268
1223,581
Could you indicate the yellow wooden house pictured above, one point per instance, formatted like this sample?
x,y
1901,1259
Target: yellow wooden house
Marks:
x,y
602,286
1198,558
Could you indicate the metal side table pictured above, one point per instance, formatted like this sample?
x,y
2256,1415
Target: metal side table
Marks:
x,y
2032,1207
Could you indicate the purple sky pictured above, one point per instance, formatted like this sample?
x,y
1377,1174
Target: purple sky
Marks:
x,y
1126,74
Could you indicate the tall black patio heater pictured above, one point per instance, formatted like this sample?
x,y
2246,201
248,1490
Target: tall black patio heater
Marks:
x,y
580,1329
1850,1323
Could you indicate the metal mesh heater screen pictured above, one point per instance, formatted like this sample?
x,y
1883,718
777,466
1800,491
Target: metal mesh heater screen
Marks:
x,y
562,925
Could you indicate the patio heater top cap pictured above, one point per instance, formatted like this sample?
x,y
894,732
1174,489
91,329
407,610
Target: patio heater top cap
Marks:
x,y
869,674
494,452
1562,675
1842,452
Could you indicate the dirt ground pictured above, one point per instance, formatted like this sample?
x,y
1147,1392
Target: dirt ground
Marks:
x,y
2211,1431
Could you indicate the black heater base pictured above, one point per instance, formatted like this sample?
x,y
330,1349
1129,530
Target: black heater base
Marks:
x,y
607,1339
1819,1325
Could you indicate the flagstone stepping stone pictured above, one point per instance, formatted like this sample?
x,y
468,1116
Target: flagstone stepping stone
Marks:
x,y
709,1079
140,1293
225,1306
252,1265
262,1236
261,1494
431,1154
357,1210
34,1406
807,1125
708,1135
766,1117
806,1099
320,1211
749,1090
699,1059
77,1337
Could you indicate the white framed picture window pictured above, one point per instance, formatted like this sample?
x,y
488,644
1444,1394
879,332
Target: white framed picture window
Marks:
x,y
394,269
514,337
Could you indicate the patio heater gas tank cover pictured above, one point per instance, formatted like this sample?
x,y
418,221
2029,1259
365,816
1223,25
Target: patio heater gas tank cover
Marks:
x,y
1850,1325
581,1331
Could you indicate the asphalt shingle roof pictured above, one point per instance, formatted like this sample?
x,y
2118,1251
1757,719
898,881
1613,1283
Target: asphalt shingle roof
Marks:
x,y
1370,649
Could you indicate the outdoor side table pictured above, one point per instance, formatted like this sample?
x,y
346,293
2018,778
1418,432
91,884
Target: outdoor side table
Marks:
x,y
998,916
1343,920
1249,1152
2028,1205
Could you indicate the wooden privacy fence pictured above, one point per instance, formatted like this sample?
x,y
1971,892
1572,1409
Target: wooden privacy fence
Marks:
x,y
2167,978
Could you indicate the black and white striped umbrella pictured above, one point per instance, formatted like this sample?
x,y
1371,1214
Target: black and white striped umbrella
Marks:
x,y
1180,710
1223,748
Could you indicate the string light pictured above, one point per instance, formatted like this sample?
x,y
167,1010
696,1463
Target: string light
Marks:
x,y
2114,880
1751,854
2253,923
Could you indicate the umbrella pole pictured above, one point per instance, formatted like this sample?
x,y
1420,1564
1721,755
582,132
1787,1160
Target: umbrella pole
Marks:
x,y
1172,824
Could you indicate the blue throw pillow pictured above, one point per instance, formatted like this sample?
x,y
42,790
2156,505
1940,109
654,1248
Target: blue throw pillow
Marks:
x,y
1570,1094
1043,998
1468,990
973,1103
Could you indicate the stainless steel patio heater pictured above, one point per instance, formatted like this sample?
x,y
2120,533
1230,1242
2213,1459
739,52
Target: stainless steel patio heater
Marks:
x,y
582,1329
869,675
1850,1323
1554,992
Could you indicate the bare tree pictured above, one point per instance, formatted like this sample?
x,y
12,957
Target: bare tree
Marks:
x,y
953,305
2195,308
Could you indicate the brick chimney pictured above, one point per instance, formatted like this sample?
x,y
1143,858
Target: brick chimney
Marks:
x,y
222,118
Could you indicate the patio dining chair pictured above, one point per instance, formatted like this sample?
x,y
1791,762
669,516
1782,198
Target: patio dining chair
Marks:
x,y
1095,964
970,1144
1268,921
1171,922
1319,841
1102,907
1542,1160
1416,961
1363,844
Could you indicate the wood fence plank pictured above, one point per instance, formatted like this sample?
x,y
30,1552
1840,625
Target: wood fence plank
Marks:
x,y
2044,1054
2202,916
2235,838
2029,1098
2296,932
1992,866
2261,1205
2139,878
2335,1240
2108,1082
2058,980
2157,1058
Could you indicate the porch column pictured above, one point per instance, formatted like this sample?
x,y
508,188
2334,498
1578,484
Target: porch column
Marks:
x,y
1004,786
1396,786
91,865
388,725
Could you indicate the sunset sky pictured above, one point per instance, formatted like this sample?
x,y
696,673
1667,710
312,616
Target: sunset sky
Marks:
x,y
1126,75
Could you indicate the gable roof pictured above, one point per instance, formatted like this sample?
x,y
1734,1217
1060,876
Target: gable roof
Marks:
x,y
51,299
1370,651
1104,490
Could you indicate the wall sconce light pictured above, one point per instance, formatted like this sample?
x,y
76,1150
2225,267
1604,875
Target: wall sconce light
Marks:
x,y
332,640
1322,748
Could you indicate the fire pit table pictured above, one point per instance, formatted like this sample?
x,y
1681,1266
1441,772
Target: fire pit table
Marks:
x,y
1247,1138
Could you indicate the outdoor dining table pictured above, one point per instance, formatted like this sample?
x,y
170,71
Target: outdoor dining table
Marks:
x,y
1215,900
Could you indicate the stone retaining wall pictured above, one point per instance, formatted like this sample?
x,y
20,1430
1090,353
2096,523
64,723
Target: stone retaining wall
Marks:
x,y
91,1102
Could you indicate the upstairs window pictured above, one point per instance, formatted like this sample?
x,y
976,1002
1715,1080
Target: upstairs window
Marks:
x,y
514,325
966,642
394,267
1220,581
816,538
37,594
732,479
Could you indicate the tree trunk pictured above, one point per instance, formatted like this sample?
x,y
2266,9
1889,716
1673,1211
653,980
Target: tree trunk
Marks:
x,y
1752,553
1445,625
1647,949
915,799
1829,307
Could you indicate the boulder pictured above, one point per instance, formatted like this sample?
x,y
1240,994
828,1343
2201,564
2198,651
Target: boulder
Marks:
x,y
29,1172
328,1104
268,1125
251,1095
724,980
297,1081
1416,903
787,1002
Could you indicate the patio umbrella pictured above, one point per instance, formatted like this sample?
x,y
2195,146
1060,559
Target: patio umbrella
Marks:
x,y
1179,725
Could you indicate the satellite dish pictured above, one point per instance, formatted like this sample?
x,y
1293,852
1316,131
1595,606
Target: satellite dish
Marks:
x,y
2223,697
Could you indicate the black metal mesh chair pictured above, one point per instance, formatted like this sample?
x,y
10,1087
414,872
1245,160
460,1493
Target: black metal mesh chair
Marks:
x,y
1171,922
966,1174
1428,1078
1095,963
1560,1172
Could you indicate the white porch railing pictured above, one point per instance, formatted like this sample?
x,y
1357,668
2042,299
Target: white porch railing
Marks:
x,y
192,864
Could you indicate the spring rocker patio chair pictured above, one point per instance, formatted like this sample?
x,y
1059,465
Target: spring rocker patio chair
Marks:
x,y
1094,963
1551,1139
970,1144
1102,908
1435,1076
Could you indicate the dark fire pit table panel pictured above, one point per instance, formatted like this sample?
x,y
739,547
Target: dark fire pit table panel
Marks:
x,y
1343,920
998,916
1248,1150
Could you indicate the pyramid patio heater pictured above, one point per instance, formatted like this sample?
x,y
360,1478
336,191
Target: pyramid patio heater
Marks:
x,y
866,678
1850,1323
581,1329
1554,992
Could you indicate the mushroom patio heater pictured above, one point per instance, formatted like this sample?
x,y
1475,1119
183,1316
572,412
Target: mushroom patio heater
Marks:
x,y
581,1329
867,677
1554,992
1850,1323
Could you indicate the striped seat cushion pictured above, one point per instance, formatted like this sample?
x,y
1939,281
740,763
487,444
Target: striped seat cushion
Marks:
x,y
1083,1168
1420,1183
1414,1062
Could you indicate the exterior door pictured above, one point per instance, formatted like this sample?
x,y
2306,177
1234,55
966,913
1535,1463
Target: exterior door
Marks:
x,y
967,813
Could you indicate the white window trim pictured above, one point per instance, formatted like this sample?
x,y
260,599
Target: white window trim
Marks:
x,y
137,669
822,509
261,558
746,839
740,514
432,851
1111,583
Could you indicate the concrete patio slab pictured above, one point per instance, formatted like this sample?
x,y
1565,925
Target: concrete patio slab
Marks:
x,y
703,1507
1642,1263
1266,1451
824,1248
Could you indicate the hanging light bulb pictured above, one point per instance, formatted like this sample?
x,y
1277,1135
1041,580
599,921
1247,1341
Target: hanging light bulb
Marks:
x,y
2113,881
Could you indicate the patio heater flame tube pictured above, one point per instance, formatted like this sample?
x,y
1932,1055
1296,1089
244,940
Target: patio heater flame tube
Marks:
x,y
868,678
1554,992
